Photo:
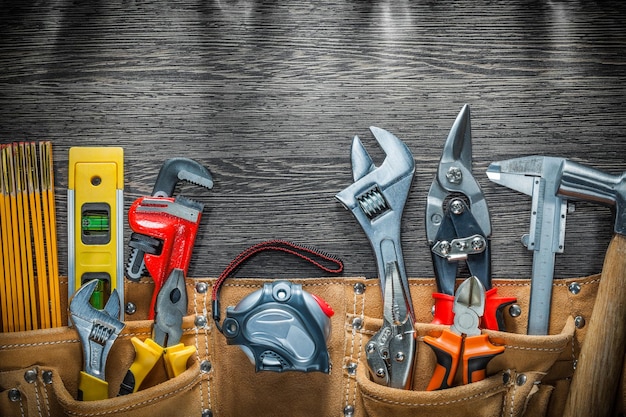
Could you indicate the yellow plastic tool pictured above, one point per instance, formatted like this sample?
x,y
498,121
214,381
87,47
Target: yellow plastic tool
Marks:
x,y
95,220
91,388
167,331
148,352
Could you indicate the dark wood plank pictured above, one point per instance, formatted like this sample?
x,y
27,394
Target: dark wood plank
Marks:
x,y
269,94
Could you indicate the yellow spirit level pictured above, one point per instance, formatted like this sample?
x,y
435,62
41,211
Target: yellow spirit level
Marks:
x,y
95,210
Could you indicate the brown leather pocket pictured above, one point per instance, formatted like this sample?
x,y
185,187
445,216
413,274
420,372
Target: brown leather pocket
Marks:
x,y
513,386
45,366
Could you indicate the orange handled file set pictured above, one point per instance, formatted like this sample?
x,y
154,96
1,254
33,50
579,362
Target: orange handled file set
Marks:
x,y
29,287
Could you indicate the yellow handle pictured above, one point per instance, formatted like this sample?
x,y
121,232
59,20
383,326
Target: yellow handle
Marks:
x,y
147,353
176,359
91,388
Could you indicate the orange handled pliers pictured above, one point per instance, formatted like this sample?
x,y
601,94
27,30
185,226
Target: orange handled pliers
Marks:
x,y
464,341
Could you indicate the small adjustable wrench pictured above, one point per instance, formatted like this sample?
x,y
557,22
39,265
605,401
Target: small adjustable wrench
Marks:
x,y
377,199
97,330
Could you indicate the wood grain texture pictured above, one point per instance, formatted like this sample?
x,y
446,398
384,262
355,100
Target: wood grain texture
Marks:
x,y
269,94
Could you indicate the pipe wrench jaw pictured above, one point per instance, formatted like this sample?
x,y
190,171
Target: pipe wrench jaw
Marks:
x,y
172,172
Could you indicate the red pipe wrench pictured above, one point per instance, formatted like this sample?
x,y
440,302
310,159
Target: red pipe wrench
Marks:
x,y
173,222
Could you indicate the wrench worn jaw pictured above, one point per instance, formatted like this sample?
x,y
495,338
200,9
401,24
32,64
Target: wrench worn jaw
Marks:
x,y
376,199
378,195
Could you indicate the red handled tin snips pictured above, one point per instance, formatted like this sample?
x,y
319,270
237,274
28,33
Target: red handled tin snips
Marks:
x,y
458,227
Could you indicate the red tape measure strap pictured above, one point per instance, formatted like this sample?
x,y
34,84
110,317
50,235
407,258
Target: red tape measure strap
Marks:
x,y
315,256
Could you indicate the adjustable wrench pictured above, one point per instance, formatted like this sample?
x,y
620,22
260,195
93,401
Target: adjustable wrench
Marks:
x,y
97,331
537,176
173,222
172,171
376,199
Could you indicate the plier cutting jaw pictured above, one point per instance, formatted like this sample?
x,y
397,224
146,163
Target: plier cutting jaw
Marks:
x,y
376,199
464,342
458,226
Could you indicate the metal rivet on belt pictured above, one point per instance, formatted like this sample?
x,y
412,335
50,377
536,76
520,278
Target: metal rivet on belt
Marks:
x,y
574,288
15,395
131,308
506,377
30,376
200,321
359,288
47,377
348,411
579,322
352,368
202,287
521,380
205,366
357,323
515,310
207,413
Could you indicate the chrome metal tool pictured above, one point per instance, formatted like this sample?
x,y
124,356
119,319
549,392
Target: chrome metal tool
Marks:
x,y
97,331
458,227
538,176
376,199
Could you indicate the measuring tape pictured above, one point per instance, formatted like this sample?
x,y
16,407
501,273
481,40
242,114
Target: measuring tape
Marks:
x,y
95,210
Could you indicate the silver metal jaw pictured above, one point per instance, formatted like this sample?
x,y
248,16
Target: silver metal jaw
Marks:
x,y
538,176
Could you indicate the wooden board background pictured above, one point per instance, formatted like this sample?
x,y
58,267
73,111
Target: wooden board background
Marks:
x,y
268,94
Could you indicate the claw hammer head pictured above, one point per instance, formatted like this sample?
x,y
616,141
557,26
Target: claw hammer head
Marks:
x,y
581,182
